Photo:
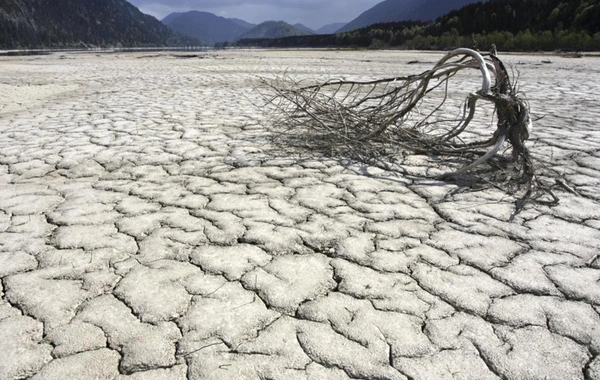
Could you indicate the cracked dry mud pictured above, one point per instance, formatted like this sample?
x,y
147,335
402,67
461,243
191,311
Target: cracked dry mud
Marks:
x,y
148,230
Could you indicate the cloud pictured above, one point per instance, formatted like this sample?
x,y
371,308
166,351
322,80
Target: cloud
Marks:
x,y
312,13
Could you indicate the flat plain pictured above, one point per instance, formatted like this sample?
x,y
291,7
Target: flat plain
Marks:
x,y
150,230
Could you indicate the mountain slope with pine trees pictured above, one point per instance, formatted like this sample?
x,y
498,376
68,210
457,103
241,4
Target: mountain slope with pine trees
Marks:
x,y
512,25
404,10
76,23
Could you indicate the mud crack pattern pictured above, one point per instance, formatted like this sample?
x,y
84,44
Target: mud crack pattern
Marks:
x,y
149,231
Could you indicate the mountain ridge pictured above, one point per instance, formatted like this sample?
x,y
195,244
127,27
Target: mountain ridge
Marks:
x,y
305,28
404,10
274,29
243,23
171,16
510,25
330,28
205,26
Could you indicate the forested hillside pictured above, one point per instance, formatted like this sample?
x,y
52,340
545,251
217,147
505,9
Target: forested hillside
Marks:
x,y
404,10
520,25
517,25
77,23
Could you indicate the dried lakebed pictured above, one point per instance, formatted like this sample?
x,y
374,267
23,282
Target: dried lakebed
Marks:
x,y
148,230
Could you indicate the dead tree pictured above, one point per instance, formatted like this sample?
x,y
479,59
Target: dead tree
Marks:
x,y
367,119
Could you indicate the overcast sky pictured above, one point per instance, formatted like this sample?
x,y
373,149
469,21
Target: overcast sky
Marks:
x,y
312,13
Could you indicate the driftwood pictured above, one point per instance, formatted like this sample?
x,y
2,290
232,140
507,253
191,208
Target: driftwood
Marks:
x,y
376,120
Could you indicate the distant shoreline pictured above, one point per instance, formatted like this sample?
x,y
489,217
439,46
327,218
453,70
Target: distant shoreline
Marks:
x,y
24,52
36,52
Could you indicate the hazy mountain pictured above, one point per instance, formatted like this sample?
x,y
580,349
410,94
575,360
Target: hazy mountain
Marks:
x,y
305,28
404,10
76,23
206,26
274,29
243,23
330,28
171,17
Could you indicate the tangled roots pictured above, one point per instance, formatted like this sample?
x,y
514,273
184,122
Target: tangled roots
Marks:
x,y
377,120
